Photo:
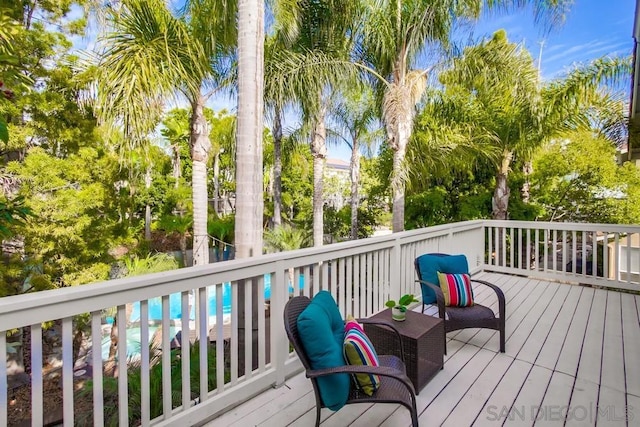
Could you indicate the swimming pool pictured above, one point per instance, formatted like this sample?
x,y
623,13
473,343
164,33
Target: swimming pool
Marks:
x,y
175,312
175,302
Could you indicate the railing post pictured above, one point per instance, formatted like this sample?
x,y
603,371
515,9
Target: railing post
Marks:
x,y
394,270
3,379
484,249
279,340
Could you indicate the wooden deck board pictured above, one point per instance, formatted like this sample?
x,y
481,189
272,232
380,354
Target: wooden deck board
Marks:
x,y
631,340
571,351
591,356
267,403
583,404
556,398
612,372
448,399
633,409
529,397
343,418
557,335
474,399
496,408
521,305
375,415
569,356
518,333
291,412
459,355
543,326
611,407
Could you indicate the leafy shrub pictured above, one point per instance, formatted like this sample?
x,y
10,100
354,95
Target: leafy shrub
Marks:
x,y
110,387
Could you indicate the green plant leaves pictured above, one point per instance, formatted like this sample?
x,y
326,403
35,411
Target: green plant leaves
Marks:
x,y
4,132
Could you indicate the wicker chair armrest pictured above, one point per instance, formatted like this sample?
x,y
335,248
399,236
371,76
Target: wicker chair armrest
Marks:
x,y
384,371
386,324
499,294
439,296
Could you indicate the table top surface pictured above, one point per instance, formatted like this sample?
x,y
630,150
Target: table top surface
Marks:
x,y
415,325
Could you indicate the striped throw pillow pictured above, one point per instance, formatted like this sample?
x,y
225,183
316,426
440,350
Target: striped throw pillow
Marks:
x,y
456,289
358,350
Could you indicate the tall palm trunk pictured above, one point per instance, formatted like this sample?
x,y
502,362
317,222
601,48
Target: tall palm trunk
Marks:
x,y
397,188
527,170
277,166
249,201
249,204
399,102
200,147
175,164
355,178
147,208
500,201
319,154
217,197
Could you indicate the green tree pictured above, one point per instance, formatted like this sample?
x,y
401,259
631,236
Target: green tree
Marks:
x,y
395,33
496,84
75,202
156,263
223,153
175,129
13,213
318,37
177,224
153,53
577,179
297,185
355,115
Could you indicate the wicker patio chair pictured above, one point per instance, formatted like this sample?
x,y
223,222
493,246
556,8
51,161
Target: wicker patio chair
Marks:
x,y
395,386
455,318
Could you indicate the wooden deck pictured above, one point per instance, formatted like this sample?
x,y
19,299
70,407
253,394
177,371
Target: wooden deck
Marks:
x,y
572,358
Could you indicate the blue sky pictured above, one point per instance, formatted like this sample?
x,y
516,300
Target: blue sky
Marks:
x,y
593,28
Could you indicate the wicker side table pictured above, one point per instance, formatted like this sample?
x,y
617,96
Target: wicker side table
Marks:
x,y
423,342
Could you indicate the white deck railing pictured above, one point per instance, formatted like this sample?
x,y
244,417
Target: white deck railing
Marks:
x,y
361,275
605,255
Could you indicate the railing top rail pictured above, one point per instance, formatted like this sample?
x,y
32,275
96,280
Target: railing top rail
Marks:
x,y
569,226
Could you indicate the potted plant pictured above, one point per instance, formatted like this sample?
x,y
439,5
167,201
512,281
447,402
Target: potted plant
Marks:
x,y
399,309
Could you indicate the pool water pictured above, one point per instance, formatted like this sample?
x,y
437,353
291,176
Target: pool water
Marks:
x,y
175,312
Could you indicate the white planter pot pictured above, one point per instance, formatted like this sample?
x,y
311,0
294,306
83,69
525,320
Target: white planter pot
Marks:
x,y
397,314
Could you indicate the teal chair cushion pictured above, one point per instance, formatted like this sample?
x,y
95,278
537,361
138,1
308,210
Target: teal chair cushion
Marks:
x,y
430,264
321,330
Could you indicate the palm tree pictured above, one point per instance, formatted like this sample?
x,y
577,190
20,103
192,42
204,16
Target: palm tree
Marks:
x,y
571,100
277,97
394,35
286,238
498,82
153,54
249,202
176,131
177,224
318,37
355,115
494,102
